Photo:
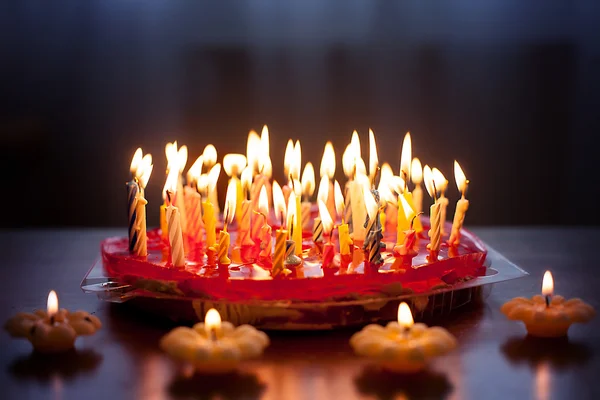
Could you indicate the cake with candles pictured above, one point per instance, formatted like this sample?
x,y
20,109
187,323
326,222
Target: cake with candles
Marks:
x,y
278,256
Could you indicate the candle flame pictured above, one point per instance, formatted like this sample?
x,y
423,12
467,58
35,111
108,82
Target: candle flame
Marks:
x,y
266,167
209,155
135,161
406,157
230,200
547,284
416,171
263,201
213,177
145,170
326,220
52,304
370,204
246,178
233,164
278,202
441,183
373,158
386,173
172,155
212,320
295,169
264,161
429,181
291,210
360,166
355,143
253,150
348,163
323,192
288,157
195,170
264,141
405,318
408,211
461,179
202,183
171,183
182,156
308,180
339,199
328,161
397,184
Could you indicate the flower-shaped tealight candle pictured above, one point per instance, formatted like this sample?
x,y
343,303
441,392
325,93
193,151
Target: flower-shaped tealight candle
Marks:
x,y
55,330
402,346
547,315
214,347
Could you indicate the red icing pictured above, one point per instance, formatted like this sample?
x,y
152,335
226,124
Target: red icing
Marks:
x,y
309,282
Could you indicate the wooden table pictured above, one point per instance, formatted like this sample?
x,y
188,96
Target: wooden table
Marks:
x,y
494,359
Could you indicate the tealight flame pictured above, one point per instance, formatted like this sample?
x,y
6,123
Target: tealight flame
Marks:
x,y
230,200
339,199
429,182
253,149
547,284
408,211
233,164
195,170
405,318
323,192
308,180
263,201
406,157
291,210
212,321
246,178
278,202
416,171
328,161
441,183
209,155
461,179
325,218
213,177
182,156
371,204
288,157
373,158
52,304
135,161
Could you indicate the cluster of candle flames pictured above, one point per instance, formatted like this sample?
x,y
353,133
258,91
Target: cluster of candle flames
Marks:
x,y
205,171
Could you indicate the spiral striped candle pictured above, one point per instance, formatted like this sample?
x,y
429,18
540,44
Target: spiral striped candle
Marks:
x,y
279,255
297,234
224,241
210,222
459,217
435,229
348,210
265,242
141,246
306,215
317,235
195,223
132,195
244,221
179,202
373,246
443,207
175,236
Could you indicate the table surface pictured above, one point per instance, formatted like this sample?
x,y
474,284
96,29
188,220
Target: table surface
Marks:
x,y
494,358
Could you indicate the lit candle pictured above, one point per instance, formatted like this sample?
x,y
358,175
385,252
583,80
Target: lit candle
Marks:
x,y
403,346
403,222
145,170
174,221
179,201
265,236
209,213
548,315
372,245
359,212
281,233
54,330
441,186
194,202
328,170
349,157
229,213
328,247
234,164
210,160
308,188
434,215
244,238
373,158
405,174
408,249
461,206
416,175
133,189
215,346
343,231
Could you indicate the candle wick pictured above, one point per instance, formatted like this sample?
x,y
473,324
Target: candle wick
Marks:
x,y
434,192
213,334
405,175
169,196
52,320
413,220
377,170
547,301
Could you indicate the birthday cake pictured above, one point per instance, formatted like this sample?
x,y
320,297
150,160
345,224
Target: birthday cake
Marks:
x,y
272,248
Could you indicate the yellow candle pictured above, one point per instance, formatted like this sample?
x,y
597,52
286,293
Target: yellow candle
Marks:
x,y
417,225
163,220
461,206
210,223
435,212
224,241
343,229
141,248
229,213
298,227
382,220
344,237
280,239
443,200
416,174
405,215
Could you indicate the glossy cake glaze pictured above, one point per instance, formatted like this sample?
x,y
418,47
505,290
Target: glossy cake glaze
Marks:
x,y
310,282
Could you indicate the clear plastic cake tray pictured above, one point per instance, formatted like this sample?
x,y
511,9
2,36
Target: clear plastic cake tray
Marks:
x,y
297,315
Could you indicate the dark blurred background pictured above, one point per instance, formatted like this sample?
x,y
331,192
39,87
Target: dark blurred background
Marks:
x,y
507,88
